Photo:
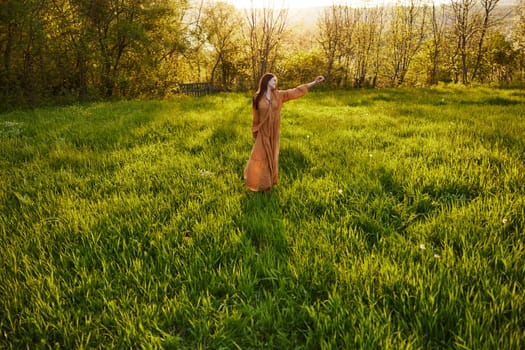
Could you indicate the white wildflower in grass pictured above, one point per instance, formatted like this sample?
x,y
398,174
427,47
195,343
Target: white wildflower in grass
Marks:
x,y
437,256
370,155
340,191
422,246
23,199
205,173
307,137
8,128
504,221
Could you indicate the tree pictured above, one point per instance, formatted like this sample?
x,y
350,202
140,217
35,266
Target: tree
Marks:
x,y
68,46
488,7
265,28
221,22
368,28
500,58
122,29
60,49
22,41
300,66
337,38
12,18
330,36
518,36
405,37
463,31
437,22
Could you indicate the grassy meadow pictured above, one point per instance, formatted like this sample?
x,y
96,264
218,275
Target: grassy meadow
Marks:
x,y
398,223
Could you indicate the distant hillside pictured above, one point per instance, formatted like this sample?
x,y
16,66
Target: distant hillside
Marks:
x,y
309,16
305,16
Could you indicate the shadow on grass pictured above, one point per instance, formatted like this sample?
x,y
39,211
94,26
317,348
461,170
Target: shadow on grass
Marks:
x,y
263,229
293,162
262,223
74,131
491,101
227,138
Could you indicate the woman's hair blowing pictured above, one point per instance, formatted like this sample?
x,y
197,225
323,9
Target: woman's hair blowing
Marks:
x,y
263,86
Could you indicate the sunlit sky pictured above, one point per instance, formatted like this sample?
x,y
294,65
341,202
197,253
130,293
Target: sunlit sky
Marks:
x,y
290,3
301,3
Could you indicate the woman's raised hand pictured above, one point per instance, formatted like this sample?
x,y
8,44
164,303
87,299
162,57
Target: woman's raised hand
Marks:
x,y
319,79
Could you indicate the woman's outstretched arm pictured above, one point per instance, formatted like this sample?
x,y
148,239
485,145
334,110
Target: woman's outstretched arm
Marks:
x,y
299,91
316,81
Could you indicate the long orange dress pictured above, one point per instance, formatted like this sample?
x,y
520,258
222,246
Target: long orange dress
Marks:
x,y
262,170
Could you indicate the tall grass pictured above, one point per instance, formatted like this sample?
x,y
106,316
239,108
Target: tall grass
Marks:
x,y
397,223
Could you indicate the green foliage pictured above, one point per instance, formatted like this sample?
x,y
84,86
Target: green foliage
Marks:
x,y
397,223
66,51
298,68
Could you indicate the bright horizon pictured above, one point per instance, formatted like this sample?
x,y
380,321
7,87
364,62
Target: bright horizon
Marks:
x,y
243,4
302,4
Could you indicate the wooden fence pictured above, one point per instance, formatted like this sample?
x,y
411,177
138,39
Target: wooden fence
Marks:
x,y
196,89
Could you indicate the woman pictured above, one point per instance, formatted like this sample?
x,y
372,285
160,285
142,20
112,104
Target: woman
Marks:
x,y
262,170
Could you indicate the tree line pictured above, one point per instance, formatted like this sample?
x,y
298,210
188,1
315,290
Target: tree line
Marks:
x,y
68,50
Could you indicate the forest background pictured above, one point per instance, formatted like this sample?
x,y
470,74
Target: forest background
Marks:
x,y
63,51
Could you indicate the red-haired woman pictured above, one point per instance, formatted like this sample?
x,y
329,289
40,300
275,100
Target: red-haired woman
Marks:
x,y
262,170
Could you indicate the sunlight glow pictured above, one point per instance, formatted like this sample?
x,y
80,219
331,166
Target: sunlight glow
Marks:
x,y
245,4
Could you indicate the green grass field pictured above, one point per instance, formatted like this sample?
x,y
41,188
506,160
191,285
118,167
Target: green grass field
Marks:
x,y
398,223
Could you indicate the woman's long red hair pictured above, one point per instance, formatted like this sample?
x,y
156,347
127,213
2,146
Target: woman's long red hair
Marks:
x,y
263,86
